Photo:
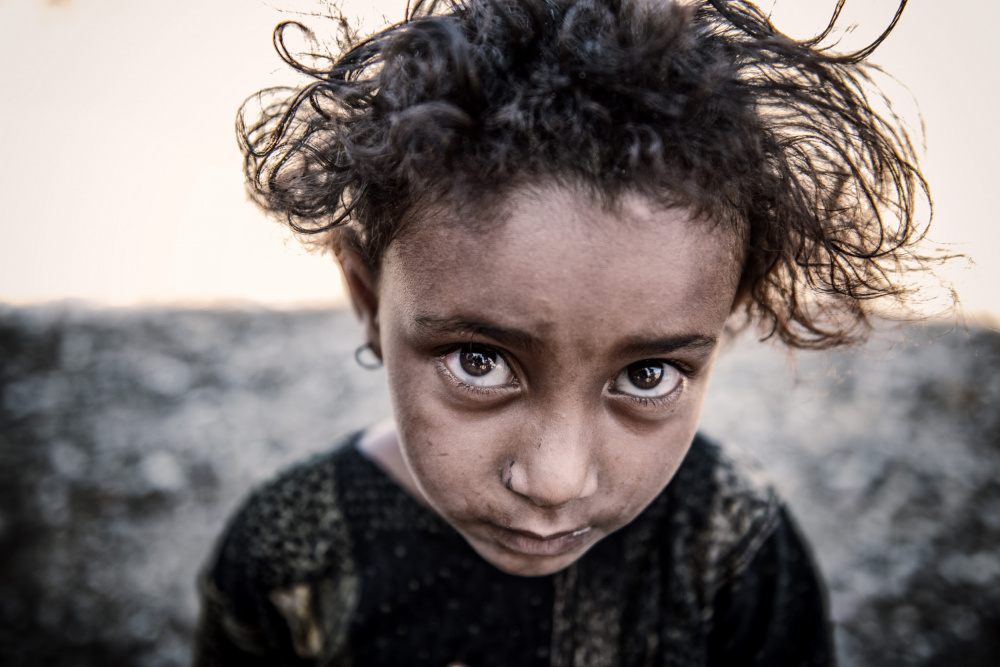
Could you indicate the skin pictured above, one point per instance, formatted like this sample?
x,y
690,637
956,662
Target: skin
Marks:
x,y
558,448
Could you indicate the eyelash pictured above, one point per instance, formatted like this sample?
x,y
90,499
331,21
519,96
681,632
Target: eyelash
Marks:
x,y
647,401
476,390
484,391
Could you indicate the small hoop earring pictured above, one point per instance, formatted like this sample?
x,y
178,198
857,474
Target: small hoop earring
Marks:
x,y
370,361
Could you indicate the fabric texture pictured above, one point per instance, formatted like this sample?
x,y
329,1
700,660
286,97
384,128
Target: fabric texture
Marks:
x,y
332,563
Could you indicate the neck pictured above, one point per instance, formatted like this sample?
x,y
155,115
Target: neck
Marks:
x,y
380,444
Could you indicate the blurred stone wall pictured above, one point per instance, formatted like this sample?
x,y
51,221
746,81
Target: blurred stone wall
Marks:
x,y
128,436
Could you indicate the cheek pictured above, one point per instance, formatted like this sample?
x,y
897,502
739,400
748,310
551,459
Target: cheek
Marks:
x,y
447,453
645,462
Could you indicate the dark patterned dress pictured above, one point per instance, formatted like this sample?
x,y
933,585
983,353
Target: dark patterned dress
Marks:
x,y
332,563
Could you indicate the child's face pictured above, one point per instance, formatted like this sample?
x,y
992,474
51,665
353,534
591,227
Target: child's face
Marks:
x,y
547,374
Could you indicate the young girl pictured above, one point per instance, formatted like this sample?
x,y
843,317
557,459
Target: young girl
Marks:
x,y
546,213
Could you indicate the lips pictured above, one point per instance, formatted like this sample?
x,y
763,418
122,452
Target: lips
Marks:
x,y
532,544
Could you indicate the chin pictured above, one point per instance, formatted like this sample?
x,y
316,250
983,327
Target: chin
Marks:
x,y
531,566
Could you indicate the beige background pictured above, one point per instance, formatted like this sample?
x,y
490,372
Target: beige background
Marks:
x,y
121,178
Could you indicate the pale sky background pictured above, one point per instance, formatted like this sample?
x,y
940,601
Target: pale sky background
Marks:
x,y
121,182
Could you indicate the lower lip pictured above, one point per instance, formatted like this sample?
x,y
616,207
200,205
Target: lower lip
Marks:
x,y
532,546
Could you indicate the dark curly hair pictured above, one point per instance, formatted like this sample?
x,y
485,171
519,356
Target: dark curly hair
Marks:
x,y
702,104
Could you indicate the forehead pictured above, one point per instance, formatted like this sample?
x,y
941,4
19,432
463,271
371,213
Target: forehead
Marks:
x,y
555,257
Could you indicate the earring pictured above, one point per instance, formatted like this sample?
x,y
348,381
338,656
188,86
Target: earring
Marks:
x,y
369,361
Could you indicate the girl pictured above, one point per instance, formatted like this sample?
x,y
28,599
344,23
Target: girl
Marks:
x,y
546,213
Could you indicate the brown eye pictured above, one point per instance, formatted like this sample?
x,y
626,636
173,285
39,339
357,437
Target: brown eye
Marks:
x,y
477,361
645,374
479,366
647,379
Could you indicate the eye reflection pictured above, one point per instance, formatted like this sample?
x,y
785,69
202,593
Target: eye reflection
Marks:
x,y
479,365
649,378
477,362
645,376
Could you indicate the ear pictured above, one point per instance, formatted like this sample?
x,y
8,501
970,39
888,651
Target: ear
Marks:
x,y
363,288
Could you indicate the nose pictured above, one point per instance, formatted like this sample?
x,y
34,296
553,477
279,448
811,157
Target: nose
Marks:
x,y
557,466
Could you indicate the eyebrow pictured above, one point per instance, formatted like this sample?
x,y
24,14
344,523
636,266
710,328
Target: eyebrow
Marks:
x,y
653,347
638,347
506,336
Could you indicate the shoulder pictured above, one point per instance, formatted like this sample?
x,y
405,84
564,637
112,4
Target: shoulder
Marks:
x,y
286,547
723,510
291,528
756,585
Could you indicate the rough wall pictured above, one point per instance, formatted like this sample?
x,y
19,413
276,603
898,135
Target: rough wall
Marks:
x,y
127,436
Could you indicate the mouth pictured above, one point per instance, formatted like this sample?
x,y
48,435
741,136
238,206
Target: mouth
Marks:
x,y
528,543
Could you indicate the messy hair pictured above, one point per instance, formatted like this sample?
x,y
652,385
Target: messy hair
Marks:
x,y
703,104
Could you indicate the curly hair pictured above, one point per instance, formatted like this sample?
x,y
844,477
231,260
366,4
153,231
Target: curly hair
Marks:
x,y
703,104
